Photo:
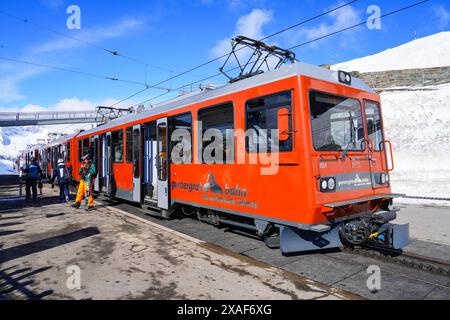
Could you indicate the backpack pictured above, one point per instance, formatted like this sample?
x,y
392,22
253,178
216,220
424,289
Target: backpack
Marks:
x,y
65,176
33,171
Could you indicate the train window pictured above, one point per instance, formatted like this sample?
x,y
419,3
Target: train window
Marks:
x,y
68,151
136,143
336,122
162,152
373,123
262,118
117,144
214,121
80,150
181,122
86,148
129,145
92,149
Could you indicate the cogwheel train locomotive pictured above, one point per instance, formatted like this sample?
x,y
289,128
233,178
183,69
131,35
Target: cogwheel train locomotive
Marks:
x,y
324,183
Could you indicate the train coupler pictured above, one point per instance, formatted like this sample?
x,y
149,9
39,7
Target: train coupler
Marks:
x,y
392,236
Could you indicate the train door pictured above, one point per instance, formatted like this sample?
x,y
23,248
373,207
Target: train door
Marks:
x,y
150,184
137,180
95,152
162,164
109,169
102,170
380,158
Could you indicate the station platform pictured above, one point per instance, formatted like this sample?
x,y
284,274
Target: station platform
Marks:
x,y
49,250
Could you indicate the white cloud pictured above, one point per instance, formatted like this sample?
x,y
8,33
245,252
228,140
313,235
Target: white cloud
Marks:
x,y
9,91
13,74
337,20
235,5
442,15
123,28
52,4
250,25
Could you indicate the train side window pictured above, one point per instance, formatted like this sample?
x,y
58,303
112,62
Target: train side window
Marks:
x,y
183,124
129,145
68,152
117,144
80,150
162,152
373,123
262,117
221,120
86,148
136,143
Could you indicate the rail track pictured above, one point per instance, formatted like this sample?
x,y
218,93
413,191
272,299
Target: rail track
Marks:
x,y
425,198
400,257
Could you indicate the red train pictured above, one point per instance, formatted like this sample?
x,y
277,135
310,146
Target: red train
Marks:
x,y
305,160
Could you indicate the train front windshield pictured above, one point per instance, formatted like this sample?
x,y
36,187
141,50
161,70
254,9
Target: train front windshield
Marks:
x,y
337,123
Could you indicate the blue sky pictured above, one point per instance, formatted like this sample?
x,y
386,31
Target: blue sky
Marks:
x,y
176,35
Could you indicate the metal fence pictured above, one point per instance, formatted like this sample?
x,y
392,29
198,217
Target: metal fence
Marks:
x,y
46,117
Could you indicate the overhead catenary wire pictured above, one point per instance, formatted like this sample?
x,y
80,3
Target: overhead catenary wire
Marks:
x,y
359,24
302,44
84,73
84,42
225,55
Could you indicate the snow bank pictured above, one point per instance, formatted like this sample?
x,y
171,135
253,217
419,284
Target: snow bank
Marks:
x,y
14,140
6,167
418,124
428,52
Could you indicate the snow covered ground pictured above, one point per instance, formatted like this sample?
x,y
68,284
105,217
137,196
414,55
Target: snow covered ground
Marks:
x,y
14,140
427,52
6,167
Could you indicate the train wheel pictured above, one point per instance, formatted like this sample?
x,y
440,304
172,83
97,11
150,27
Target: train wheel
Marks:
x,y
355,232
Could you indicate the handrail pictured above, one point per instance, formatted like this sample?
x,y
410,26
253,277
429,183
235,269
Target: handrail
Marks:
x,y
391,156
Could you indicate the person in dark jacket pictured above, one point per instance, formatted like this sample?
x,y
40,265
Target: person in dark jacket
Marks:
x,y
63,176
33,173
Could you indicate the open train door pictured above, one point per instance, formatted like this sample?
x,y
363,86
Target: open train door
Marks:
x,y
102,169
108,172
137,163
95,153
162,164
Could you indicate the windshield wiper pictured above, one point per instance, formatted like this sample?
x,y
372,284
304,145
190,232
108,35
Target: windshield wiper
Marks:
x,y
352,138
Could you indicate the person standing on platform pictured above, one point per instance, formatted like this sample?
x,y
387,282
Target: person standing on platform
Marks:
x,y
88,173
33,173
62,174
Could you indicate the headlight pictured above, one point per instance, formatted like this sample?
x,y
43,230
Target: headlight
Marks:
x,y
327,184
331,184
345,77
383,178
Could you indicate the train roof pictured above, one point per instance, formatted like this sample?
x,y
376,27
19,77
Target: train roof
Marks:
x,y
286,71
63,139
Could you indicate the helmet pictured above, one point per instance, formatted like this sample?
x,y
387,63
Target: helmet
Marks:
x,y
86,157
60,160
